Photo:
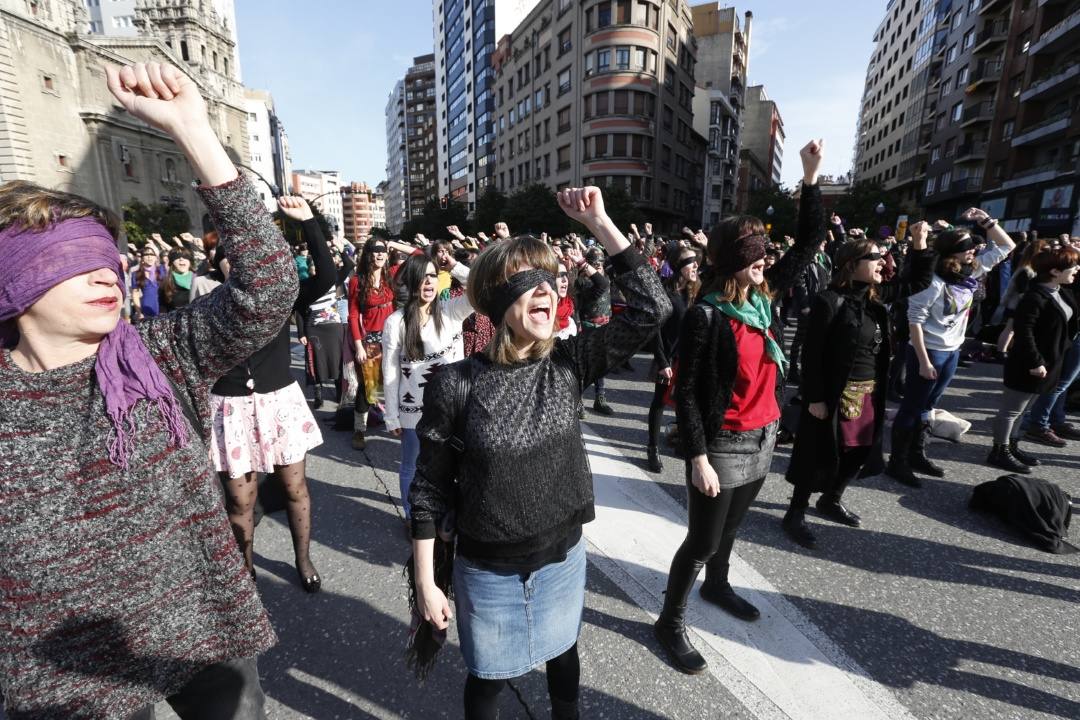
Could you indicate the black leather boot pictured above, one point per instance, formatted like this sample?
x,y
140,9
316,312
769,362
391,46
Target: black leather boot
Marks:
x,y
600,406
670,627
794,524
830,507
564,710
899,468
717,590
917,457
1001,457
655,464
1023,455
317,397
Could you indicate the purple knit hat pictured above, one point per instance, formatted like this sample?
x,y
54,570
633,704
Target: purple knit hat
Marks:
x,y
37,261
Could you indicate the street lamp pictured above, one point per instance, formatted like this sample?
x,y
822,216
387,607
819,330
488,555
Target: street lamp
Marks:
x,y
770,211
880,209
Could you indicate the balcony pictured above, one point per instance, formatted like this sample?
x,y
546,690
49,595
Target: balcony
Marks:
x,y
961,186
971,151
978,113
1053,125
1043,173
989,5
1058,36
1056,81
988,71
992,35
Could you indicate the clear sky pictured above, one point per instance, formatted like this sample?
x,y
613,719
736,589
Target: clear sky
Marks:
x,y
331,64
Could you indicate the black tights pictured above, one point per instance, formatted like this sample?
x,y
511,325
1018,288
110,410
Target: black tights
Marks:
x,y
656,413
713,523
563,676
851,462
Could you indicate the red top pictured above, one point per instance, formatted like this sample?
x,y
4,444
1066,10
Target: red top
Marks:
x,y
753,396
372,314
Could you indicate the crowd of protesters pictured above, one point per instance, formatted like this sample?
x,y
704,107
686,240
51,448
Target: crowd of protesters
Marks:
x,y
475,353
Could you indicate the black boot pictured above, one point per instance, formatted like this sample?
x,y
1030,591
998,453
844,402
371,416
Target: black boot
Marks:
x,y
317,397
564,710
832,509
1023,455
670,627
899,468
794,524
655,465
717,590
601,407
917,457
1002,457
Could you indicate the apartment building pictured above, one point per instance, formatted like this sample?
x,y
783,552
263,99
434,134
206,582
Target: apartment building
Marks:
x,y
322,188
421,136
601,92
397,189
362,208
893,114
720,96
763,131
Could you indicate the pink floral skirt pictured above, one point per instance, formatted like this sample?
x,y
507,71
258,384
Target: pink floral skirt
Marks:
x,y
253,433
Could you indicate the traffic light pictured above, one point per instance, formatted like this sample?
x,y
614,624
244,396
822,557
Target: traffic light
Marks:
x,y
443,201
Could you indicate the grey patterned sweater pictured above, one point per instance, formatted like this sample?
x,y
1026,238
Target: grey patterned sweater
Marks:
x,y
524,483
116,587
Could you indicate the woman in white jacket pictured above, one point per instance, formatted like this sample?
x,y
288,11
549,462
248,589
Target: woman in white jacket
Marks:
x,y
417,338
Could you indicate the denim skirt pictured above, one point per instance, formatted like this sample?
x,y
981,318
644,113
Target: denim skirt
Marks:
x,y
508,623
741,457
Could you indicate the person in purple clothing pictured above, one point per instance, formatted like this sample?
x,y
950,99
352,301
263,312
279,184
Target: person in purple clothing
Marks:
x,y
144,284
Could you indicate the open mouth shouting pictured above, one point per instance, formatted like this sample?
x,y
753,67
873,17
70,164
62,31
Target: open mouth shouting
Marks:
x,y
540,311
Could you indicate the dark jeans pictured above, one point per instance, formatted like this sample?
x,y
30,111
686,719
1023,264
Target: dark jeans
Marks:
x,y
920,394
1049,409
229,690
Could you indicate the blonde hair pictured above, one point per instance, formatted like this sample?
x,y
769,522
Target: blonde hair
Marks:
x,y
30,206
492,268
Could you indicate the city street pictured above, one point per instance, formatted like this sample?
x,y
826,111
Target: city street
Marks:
x,y
928,611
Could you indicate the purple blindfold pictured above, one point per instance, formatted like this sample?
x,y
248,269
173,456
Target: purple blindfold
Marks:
x,y
33,263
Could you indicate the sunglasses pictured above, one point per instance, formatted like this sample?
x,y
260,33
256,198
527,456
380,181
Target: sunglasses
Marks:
x,y
563,275
873,256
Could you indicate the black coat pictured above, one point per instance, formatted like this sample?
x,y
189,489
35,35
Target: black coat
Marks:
x,y
666,344
708,355
1042,337
828,355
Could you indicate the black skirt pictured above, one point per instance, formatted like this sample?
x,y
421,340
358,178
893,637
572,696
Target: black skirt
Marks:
x,y
325,343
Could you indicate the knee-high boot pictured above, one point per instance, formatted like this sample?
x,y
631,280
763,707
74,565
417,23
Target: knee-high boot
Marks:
x,y
917,457
670,627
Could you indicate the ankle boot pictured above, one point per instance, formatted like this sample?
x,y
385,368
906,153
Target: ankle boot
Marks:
x,y
1023,455
670,627
655,465
794,525
917,457
317,397
1001,457
899,468
717,590
601,407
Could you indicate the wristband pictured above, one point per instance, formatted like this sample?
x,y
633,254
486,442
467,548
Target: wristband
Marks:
x,y
582,263
988,223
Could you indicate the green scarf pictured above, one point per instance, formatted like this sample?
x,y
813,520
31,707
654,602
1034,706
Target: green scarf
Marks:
x,y
756,312
183,280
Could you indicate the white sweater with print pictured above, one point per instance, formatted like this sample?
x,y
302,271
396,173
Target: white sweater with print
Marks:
x,y
404,379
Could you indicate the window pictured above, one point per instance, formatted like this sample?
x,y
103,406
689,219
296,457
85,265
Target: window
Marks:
x,y
1007,129
969,38
563,157
622,11
603,14
603,60
618,145
946,180
564,41
601,103
935,154
669,116
962,76
639,59
957,18
63,161
622,58
564,5
957,112
564,120
946,87
600,146
48,84
564,81
622,103
951,55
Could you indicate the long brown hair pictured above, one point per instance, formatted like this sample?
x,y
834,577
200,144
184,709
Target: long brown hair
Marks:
x,y
672,282
847,262
722,237
494,267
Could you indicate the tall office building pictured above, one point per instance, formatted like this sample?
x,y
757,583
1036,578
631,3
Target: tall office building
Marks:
x,y
723,51
421,135
601,93
893,113
465,35
397,189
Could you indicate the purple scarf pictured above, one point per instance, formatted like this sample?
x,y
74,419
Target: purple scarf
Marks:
x,y
34,263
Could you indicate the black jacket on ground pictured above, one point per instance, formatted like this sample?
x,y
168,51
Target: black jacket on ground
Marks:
x,y
1036,507
270,366
831,340
521,484
708,355
1042,337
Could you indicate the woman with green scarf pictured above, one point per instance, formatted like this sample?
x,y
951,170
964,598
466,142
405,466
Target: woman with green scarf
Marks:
x,y
175,290
731,370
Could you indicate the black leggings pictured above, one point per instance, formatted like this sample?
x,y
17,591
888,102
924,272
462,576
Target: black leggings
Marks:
x,y
851,462
713,523
656,413
563,678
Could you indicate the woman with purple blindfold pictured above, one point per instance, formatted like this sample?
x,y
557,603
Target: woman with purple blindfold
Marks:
x,y
122,585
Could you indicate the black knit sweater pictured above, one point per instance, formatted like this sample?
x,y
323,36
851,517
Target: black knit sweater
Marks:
x,y
708,355
523,480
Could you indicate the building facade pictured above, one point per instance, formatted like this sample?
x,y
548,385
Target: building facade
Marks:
x,y
723,51
754,176
397,189
909,45
421,136
361,210
263,147
465,34
601,92
763,131
323,188
61,128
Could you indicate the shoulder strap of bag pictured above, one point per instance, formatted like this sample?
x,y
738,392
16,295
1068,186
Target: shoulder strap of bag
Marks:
x,y
457,440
